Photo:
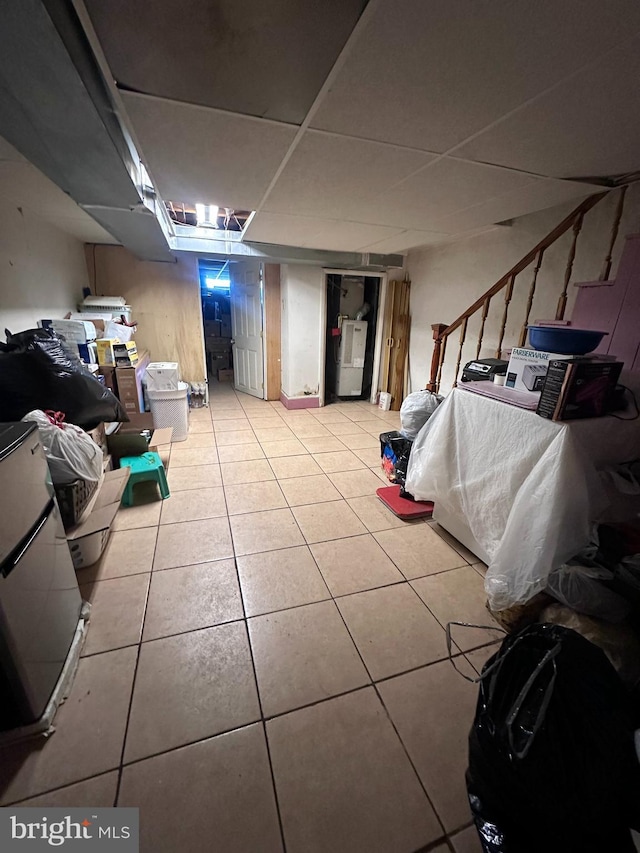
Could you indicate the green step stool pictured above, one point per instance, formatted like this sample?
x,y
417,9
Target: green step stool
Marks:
x,y
148,466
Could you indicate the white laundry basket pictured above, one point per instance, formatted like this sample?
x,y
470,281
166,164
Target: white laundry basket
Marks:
x,y
171,409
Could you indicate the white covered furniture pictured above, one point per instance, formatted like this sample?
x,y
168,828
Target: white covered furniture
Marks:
x,y
519,491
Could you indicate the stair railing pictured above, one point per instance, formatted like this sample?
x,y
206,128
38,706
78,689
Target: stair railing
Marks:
x,y
508,282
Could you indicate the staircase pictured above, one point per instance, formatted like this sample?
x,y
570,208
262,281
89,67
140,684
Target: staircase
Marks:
x,y
513,280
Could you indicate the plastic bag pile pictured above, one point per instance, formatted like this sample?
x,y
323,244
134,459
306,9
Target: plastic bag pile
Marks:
x,y
70,452
416,410
38,371
552,764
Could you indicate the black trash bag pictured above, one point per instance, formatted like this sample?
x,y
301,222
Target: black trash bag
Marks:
x,y
552,764
395,450
38,371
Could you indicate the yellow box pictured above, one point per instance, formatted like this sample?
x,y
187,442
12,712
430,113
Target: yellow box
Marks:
x,y
128,346
126,354
106,357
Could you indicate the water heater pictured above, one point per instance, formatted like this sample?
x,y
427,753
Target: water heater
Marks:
x,y
353,344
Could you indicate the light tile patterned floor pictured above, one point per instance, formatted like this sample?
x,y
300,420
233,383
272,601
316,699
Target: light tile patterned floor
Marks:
x,y
266,668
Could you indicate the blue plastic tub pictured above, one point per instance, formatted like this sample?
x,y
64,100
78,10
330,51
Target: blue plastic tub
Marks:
x,y
564,340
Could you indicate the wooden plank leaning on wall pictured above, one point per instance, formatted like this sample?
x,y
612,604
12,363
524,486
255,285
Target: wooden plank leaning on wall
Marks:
x,y
397,327
272,330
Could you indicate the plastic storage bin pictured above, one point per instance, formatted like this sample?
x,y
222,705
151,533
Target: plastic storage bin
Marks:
x,y
171,409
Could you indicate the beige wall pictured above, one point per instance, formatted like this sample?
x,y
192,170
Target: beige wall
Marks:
x,y
447,279
303,328
165,300
42,270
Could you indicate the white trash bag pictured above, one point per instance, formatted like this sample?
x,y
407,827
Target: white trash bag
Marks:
x,y
416,410
70,452
579,587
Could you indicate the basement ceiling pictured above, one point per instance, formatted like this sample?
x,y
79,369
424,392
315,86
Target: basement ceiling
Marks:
x,y
23,185
379,126
266,59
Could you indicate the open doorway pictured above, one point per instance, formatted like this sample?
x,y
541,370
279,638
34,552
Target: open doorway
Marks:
x,y
215,287
353,304
241,310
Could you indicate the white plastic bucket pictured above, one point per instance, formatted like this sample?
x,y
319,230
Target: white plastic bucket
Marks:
x,y
171,409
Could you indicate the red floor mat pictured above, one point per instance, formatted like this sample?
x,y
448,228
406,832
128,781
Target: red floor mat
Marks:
x,y
404,509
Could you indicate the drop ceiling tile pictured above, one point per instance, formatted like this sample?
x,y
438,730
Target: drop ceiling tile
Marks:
x,y
283,228
408,240
449,185
201,154
428,75
349,236
8,152
138,230
586,127
538,195
264,59
336,176
86,230
315,233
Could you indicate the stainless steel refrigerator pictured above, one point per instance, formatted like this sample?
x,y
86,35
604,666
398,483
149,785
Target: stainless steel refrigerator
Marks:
x,y
40,601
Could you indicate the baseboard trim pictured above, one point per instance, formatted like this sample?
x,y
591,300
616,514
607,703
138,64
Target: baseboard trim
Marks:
x,y
306,402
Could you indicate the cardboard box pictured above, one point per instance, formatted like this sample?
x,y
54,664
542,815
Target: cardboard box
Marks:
x,y
140,422
99,435
160,437
129,382
109,376
212,328
74,331
218,344
88,539
578,388
529,358
162,376
126,354
225,324
106,356
218,361
128,440
384,401
225,374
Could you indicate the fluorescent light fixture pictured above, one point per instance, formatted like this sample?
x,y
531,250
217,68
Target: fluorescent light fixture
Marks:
x,y
207,214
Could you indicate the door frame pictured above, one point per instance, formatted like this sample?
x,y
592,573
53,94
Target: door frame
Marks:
x,y
271,309
377,348
272,330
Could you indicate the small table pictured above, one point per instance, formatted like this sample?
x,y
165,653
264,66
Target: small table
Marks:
x,y
519,491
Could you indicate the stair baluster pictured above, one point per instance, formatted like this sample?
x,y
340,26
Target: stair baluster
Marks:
x,y
532,293
483,320
507,301
606,267
463,335
562,301
443,352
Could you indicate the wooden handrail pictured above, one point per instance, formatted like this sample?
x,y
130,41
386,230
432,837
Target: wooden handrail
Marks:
x,y
551,237
442,332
